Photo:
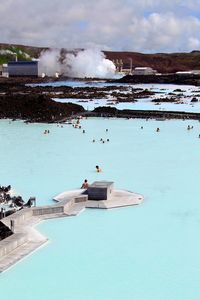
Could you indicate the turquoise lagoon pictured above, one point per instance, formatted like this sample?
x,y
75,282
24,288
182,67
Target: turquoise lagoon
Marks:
x,y
145,252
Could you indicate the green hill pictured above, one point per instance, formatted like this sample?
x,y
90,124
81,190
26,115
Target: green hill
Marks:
x,y
9,52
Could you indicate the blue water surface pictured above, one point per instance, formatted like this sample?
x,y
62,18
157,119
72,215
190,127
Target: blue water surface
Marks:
x,y
145,252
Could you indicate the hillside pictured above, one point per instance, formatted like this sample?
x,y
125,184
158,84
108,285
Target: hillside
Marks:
x,y
8,52
162,62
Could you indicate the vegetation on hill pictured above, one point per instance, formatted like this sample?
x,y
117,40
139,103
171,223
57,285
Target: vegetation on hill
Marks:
x,y
9,52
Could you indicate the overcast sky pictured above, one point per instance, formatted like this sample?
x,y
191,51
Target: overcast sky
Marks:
x,y
132,25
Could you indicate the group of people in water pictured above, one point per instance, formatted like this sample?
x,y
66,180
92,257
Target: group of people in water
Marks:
x,y
189,127
101,140
157,129
192,127
85,183
76,123
47,131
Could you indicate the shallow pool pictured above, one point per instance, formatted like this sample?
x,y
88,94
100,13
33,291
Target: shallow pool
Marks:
x,y
146,252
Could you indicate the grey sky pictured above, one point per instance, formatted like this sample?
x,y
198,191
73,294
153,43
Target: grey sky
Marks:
x,y
137,25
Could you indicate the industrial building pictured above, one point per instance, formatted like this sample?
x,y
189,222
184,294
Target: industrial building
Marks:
x,y
4,70
124,67
23,68
192,72
144,71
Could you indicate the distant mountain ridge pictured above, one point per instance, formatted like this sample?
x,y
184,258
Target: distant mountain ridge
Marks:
x,y
162,62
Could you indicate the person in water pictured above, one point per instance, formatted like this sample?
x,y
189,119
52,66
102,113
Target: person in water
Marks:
x,y
85,184
98,169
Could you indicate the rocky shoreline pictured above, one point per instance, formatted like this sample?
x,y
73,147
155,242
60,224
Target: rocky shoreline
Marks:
x,y
143,114
35,108
20,100
185,79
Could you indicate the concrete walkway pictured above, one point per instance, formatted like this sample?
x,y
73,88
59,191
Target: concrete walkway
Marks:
x,y
26,238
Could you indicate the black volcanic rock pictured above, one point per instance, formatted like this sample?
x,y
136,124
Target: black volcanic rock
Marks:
x,y
194,99
4,231
188,79
106,109
144,114
35,108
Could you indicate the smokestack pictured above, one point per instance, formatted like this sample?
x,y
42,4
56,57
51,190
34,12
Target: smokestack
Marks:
x,y
131,64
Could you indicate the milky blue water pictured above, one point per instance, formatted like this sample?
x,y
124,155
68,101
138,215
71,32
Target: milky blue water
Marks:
x,y
161,90
145,252
76,83
141,104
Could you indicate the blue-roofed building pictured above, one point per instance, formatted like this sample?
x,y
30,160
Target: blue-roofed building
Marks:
x,y
23,68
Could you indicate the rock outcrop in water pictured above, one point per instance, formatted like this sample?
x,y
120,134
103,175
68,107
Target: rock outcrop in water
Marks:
x,y
35,108
143,114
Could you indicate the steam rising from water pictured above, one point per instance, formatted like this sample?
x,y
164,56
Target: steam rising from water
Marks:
x,y
88,63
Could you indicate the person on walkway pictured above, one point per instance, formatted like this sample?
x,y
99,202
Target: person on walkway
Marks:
x,y
85,184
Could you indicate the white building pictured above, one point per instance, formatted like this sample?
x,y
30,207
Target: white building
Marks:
x,y
144,71
192,72
4,70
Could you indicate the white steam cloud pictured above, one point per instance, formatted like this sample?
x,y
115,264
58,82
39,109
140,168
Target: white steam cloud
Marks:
x,y
88,63
49,62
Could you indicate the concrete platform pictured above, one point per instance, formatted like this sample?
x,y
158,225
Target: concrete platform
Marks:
x,y
118,198
26,238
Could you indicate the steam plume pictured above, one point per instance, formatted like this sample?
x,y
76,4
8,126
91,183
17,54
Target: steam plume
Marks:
x,y
88,63
49,62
